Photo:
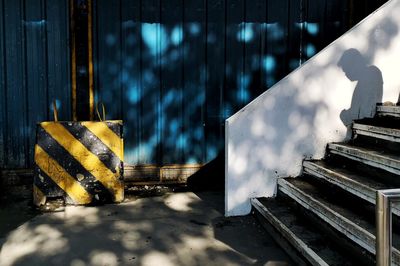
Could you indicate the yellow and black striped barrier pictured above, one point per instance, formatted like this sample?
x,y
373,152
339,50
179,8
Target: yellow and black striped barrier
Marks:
x,y
80,161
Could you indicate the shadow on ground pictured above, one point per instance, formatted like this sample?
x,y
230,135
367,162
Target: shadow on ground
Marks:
x,y
15,202
171,229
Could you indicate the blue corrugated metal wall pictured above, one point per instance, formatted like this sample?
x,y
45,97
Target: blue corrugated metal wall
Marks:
x,y
34,70
173,70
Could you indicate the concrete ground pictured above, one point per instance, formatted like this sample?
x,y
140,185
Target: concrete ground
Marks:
x,y
174,229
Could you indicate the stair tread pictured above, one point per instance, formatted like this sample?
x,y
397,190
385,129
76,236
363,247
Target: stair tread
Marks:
x,y
365,180
368,154
299,231
376,130
382,122
338,205
312,191
370,150
388,110
363,185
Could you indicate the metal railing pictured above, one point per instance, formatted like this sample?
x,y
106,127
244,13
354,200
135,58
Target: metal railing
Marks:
x,y
384,199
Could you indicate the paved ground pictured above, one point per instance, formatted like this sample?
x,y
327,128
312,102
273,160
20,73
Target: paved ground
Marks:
x,y
174,229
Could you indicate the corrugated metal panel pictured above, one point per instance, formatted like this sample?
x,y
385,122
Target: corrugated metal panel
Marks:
x,y
174,70
34,66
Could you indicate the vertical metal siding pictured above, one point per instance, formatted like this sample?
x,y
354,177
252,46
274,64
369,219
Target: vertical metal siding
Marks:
x,y
194,82
3,95
174,70
34,70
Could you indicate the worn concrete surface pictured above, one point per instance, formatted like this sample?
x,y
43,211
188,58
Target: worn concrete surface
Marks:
x,y
173,229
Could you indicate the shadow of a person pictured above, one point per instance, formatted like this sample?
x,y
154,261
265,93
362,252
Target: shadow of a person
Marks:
x,y
369,88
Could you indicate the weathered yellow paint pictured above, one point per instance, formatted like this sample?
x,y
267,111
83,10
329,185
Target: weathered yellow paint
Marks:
x,y
39,198
107,136
87,159
61,177
73,62
90,57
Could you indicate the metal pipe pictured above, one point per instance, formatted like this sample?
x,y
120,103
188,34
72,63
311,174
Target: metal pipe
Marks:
x,y
384,198
383,230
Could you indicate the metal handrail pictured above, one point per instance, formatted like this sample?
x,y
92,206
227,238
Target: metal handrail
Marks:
x,y
383,212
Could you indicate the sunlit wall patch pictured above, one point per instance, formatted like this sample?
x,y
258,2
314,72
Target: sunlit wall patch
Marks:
x,y
176,35
245,33
155,37
275,31
227,110
148,148
198,133
131,155
148,77
211,152
133,92
192,160
310,50
312,28
145,152
269,63
172,95
183,140
35,23
194,28
58,103
173,126
243,94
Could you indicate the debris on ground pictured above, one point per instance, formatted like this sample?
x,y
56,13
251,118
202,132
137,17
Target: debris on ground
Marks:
x,y
133,192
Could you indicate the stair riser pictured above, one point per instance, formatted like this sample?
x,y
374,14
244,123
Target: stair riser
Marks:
x,y
384,163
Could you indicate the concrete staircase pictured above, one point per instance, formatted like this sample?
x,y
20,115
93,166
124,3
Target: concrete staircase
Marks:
x,y
326,216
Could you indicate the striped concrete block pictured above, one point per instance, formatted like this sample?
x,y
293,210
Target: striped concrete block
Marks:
x,y
80,161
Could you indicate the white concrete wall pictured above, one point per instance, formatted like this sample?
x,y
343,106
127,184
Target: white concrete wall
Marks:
x,y
297,117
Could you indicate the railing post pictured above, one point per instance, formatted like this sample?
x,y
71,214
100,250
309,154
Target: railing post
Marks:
x,y
383,213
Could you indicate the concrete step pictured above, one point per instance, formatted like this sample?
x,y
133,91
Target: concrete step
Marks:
x,y
393,111
305,244
384,133
359,184
372,156
354,219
